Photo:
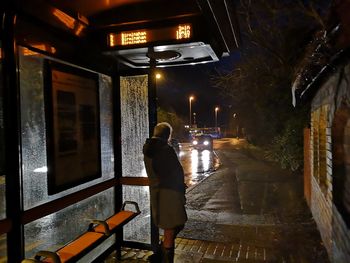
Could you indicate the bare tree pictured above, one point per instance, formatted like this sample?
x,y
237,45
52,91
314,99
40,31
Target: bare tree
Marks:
x,y
274,34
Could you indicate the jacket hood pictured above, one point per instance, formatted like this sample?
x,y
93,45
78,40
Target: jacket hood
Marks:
x,y
152,146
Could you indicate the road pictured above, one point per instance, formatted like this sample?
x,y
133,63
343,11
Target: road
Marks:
x,y
197,164
255,206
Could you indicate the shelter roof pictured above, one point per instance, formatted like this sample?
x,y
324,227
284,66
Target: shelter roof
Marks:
x,y
175,32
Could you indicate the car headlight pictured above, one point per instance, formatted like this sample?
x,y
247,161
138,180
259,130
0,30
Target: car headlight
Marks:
x,y
206,143
194,142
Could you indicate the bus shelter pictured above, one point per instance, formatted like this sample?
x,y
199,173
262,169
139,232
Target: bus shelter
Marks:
x,y
78,100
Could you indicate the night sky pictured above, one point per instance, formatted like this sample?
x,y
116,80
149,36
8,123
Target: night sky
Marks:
x,y
179,83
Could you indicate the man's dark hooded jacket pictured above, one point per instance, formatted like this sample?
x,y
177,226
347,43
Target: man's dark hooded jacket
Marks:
x,y
167,186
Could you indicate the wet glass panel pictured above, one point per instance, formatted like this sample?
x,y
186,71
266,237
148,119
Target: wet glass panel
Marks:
x,y
3,248
134,131
139,229
106,126
2,148
35,192
55,230
134,123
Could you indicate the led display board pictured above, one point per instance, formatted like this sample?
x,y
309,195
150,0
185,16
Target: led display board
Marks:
x,y
144,36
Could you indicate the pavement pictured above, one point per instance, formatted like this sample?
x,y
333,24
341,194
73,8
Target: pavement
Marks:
x,y
249,210
190,251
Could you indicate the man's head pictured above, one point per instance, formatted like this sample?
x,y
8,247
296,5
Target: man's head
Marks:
x,y
163,130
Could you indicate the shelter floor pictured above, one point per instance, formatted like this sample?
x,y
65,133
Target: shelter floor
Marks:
x,y
193,251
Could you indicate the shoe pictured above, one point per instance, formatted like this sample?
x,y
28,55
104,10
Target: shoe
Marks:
x,y
155,258
168,255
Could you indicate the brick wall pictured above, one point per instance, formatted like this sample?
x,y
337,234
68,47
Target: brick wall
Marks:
x,y
347,165
341,237
307,165
321,196
321,209
329,99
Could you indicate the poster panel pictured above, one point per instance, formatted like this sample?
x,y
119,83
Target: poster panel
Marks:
x,y
72,116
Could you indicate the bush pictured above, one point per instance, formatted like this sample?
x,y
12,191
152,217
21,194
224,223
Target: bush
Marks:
x,y
287,148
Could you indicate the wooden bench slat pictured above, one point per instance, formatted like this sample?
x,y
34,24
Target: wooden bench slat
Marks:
x,y
78,245
116,221
98,231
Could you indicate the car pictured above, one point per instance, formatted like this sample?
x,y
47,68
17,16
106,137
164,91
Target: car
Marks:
x,y
202,142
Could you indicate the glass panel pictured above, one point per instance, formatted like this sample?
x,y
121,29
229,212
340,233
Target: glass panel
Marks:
x,y
34,131
55,230
3,248
134,131
106,124
139,229
2,148
134,123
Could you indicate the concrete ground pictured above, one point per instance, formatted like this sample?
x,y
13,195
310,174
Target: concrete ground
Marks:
x,y
249,210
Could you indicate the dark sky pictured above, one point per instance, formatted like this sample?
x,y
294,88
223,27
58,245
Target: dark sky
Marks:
x,y
179,83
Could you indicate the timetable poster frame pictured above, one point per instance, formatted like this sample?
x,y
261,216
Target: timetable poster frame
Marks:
x,y
73,126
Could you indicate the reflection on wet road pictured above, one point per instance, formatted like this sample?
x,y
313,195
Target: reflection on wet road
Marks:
x,y
197,164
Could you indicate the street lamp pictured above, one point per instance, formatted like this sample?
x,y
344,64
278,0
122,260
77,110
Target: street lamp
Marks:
x,y
158,76
237,125
194,120
216,117
190,101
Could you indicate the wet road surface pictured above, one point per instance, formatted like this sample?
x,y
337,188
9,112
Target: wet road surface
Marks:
x,y
251,203
197,164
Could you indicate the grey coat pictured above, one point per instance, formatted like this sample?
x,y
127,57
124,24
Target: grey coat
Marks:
x,y
167,186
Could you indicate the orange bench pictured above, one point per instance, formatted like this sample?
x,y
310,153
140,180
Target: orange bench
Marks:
x,y
98,231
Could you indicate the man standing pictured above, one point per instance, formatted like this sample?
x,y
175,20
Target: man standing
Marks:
x,y
167,189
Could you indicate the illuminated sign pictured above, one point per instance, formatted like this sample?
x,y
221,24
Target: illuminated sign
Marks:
x,y
144,36
132,38
183,31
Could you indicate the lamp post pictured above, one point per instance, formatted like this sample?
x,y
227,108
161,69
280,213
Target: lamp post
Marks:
x,y
194,120
216,117
236,123
190,102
